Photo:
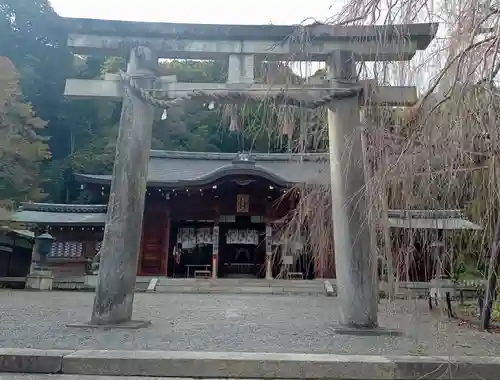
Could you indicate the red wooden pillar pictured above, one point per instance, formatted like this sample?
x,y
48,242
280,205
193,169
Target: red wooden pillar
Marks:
x,y
154,246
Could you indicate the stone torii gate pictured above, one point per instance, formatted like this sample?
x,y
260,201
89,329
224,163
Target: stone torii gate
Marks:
x,y
243,45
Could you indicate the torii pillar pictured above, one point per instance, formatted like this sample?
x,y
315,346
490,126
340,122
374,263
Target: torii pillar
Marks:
x,y
355,263
114,297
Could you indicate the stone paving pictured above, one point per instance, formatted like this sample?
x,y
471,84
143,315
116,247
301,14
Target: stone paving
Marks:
x,y
248,323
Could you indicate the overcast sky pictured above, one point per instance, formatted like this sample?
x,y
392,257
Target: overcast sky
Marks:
x,y
197,11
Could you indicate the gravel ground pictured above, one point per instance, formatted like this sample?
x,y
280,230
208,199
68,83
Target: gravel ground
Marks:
x,y
249,323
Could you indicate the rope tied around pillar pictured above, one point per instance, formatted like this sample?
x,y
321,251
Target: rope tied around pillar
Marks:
x,y
233,96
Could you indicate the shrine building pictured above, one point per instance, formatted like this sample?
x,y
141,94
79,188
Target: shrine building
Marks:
x,y
218,210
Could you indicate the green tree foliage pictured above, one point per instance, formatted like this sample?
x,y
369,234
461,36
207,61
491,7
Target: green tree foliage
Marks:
x,y
83,132
22,149
31,39
87,140
195,128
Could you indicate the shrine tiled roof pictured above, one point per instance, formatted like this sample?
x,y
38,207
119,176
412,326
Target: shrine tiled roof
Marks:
x,y
60,214
177,169
95,215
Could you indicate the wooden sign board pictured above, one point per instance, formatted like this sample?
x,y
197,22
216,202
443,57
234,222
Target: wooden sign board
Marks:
x,y
242,203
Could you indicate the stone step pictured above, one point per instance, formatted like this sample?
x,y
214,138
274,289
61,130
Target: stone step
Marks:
x,y
284,286
232,289
221,286
240,286
242,282
243,365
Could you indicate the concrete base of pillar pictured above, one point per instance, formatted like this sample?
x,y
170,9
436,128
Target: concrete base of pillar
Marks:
x,y
39,279
130,325
360,331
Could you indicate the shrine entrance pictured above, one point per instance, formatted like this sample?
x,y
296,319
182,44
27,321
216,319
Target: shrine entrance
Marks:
x,y
223,227
242,247
192,248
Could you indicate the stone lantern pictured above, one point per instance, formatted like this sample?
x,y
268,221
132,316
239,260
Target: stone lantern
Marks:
x,y
44,245
41,277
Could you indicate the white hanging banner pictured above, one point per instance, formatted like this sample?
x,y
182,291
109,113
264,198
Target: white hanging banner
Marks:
x,y
190,237
235,236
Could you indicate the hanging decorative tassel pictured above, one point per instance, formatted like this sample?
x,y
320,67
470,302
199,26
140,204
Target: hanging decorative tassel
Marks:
x,y
234,124
164,115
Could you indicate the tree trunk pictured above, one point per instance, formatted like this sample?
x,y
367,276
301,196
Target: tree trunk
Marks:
x,y
493,268
494,265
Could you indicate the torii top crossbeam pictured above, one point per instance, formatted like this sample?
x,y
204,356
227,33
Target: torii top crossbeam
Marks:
x,y
271,42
